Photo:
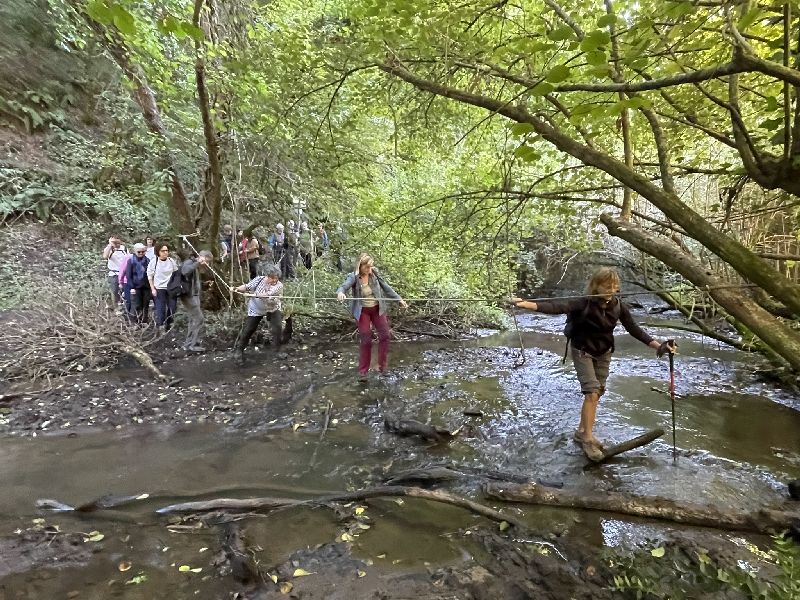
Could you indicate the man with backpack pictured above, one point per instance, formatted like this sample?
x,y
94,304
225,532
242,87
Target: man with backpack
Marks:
x,y
136,283
190,287
114,254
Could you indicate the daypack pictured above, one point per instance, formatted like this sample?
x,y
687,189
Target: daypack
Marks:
x,y
262,251
179,284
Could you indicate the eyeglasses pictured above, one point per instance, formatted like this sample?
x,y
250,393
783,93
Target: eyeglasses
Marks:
x,y
140,252
164,250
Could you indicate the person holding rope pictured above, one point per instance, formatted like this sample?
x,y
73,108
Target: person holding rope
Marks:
x,y
368,306
190,262
265,301
590,328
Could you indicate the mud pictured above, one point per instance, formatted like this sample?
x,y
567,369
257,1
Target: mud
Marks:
x,y
299,423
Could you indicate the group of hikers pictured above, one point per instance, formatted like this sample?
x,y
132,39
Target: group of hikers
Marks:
x,y
149,271
286,247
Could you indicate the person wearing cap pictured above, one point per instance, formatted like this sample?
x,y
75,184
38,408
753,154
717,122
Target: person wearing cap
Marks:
x,y
276,242
191,301
114,254
136,284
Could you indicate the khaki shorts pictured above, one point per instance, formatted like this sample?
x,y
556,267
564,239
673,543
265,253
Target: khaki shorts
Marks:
x,y
592,371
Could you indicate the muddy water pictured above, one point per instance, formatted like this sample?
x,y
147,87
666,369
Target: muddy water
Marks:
x,y
737,441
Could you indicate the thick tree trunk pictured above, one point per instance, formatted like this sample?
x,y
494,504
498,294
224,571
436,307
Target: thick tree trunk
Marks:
x,y
771,330
731,251
762,521
211,204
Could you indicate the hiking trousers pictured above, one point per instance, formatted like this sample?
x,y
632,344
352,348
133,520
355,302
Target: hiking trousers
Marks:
x,y
191,304
251,325
369,317
139,303
165,309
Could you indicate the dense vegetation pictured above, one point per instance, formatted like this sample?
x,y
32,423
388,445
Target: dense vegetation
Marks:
x,y
437,135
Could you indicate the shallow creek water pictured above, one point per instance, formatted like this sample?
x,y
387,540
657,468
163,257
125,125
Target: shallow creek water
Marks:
x,y
738,441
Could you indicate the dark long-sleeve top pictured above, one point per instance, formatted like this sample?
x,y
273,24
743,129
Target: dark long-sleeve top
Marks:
x,y
189,269
593,322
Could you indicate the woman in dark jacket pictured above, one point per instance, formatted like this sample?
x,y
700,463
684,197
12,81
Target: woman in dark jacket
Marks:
x,y
592,321
368,306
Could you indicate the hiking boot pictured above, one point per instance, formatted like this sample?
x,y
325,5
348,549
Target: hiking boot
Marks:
x,y
238,357
593,450
194,348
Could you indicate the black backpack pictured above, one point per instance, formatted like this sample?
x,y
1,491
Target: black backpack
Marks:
x,y
179,284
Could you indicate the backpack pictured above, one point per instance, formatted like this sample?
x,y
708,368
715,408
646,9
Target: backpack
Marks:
x,y
179,284
262,251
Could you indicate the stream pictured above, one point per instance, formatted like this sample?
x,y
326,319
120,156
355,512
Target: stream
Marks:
x,y
737,438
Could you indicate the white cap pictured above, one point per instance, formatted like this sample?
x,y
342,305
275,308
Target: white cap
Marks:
x,y
137,247
279,226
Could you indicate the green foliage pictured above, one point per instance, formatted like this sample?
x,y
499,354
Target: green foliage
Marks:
x,y
675,574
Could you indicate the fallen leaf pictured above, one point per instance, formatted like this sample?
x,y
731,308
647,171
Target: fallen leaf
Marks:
x,y
286,587
504,525
301,573
197,569
140,578
184,568
202,549
346,537
274,578
381,556
38,522
363,526
142,496
360,510
658,552
94,536
124,566
361,573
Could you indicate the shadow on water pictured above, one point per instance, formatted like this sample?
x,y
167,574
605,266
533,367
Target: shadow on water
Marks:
x,y
737,441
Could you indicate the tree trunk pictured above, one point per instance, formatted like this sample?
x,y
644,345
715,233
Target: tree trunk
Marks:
x,y
731,251
763,521
771,330
210,208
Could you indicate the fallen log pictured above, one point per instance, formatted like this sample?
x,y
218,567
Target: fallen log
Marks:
x,y
427,476
765,521
268,504
412,427
640,440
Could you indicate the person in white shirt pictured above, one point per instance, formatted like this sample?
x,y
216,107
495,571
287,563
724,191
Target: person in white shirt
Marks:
x,y
159,272
150,248
115,254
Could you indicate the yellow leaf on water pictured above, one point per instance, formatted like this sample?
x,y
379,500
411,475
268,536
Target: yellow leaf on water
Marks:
x,y
381,556
504,525
196,569
361,573
124,566
94,536
274,578
346,537
301,573
658,552
184,568
363,526
286,587
360,510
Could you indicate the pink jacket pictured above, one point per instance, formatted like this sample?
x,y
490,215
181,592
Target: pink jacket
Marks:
x,y
123,270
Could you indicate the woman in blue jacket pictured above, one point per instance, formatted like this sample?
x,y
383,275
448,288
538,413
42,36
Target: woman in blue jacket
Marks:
x,y
368,305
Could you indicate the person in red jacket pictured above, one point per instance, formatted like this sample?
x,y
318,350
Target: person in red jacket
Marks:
x,y
592,320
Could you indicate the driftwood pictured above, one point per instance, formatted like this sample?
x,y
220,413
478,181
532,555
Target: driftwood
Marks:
x,y
411,427
267,504
761,521
101,503
641,440
441,474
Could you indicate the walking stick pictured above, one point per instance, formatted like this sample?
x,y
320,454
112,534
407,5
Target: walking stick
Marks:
x,y
672,400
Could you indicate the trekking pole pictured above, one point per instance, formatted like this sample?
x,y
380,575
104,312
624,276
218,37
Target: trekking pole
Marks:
x,y
672,400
